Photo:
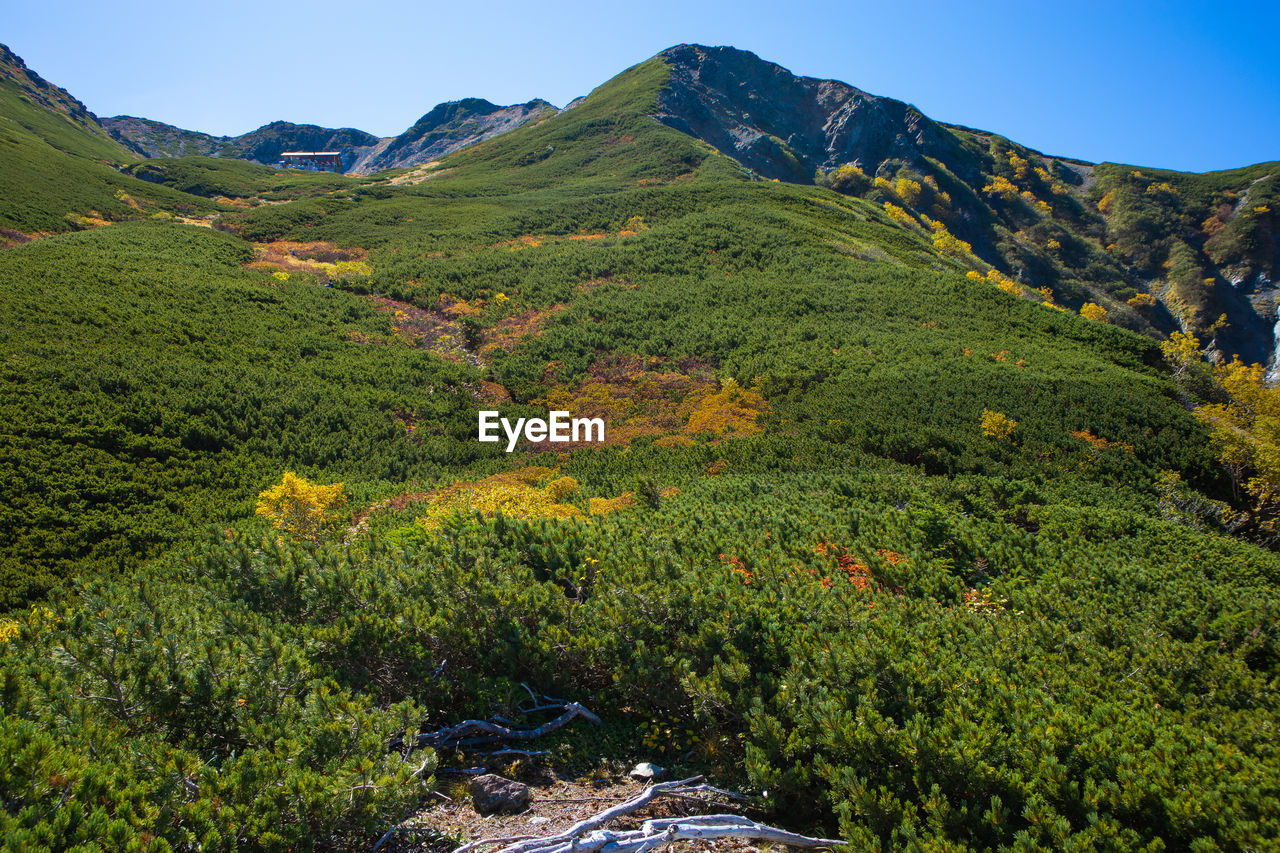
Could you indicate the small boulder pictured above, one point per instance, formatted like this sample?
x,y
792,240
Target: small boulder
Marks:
x,y
492,794
646,771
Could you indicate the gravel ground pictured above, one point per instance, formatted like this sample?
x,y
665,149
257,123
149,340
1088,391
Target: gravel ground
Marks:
x,y
557,805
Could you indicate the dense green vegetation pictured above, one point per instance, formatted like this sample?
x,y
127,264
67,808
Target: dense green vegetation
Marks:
x,y
151,384
216,176
969,580
56,171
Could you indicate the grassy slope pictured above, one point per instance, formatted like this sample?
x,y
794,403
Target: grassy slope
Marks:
x,y
219,176
151,384
1109,687
855,325
55,167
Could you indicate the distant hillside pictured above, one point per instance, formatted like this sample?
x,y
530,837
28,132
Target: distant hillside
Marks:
x,y
447,128
157,139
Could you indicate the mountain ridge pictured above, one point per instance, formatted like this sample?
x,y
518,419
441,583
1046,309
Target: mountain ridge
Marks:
x,y
443,129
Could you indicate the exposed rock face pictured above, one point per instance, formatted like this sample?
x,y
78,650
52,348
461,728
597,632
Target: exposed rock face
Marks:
x,y
784,126
448,127
493,794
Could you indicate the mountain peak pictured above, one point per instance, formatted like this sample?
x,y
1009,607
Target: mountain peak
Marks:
x,y
785,126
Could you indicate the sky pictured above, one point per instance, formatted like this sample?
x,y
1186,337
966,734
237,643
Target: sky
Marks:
x,y
1180,85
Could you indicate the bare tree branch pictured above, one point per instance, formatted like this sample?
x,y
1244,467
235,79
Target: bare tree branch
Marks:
x,y
477,732
590,835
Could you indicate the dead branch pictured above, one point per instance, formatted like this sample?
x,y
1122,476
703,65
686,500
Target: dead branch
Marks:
x,y
590,834
480,732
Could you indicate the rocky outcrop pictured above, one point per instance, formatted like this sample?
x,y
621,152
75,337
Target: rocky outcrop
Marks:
x,y
785,126
447,128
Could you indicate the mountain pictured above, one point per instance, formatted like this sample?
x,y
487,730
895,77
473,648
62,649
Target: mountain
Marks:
x,y
1157,249
39,94
904,520
157,139
447,128
60,166
784,126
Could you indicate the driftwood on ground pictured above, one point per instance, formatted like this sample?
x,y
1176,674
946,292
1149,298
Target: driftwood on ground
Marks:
x,y
473,733
591,834
483,732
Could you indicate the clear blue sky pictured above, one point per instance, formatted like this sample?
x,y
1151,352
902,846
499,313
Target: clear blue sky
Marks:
x,y
1184,85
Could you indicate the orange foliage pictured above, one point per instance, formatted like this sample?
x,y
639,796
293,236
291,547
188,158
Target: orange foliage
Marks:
x,y
319,258
859,574
1097,443
738,567
508,332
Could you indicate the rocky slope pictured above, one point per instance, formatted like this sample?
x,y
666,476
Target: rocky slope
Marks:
x,y
1158,250
447,128
784,126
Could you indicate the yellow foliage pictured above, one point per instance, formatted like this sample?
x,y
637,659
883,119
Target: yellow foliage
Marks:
x,y
975,275
1001,187
1093,311
996,425
1019,165
1002,281
947,243
1043,207
604,506
1247,428
908,190
526,493
897,214
733,410
1142,300
1107,203
561,487
1052,244
306,511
